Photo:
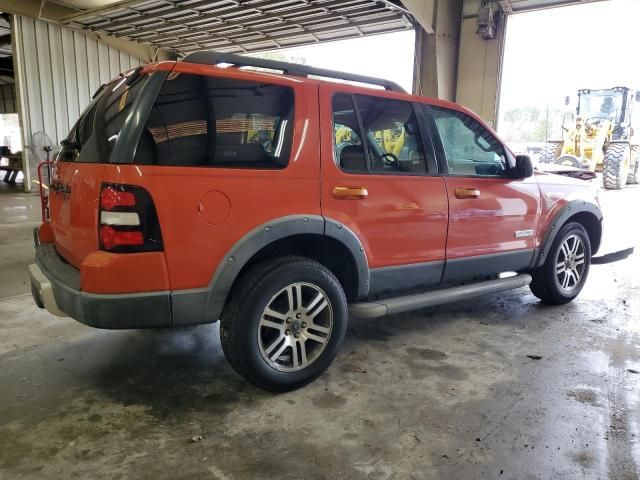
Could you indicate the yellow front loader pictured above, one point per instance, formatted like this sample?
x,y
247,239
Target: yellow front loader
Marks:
x,y
601,136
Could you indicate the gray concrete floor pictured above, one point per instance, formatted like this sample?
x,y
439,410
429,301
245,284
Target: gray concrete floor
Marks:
x,y
446,392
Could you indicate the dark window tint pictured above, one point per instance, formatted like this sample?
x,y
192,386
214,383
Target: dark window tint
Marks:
x,y
94,134
211,121
382,136
470,149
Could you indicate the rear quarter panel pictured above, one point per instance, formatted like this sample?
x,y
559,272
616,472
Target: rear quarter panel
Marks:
x,y
194,247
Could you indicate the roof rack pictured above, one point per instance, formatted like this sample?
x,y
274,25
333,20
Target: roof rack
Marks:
x,y
214,58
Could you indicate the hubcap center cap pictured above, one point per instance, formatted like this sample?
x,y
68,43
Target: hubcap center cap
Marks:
x,y
296,325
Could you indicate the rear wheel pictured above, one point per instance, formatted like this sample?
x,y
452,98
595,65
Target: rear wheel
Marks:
x,y
565,271
284,323
569,161
617,160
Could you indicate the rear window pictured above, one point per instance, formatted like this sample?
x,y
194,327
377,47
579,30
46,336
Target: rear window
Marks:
x,y
218,122
92,137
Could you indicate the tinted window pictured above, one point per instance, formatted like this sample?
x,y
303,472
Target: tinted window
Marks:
x,y
389,140
210,121
348,150
469,148
94,134
392,135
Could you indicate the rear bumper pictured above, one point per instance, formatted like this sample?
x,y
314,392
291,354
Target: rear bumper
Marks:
x,y
55,285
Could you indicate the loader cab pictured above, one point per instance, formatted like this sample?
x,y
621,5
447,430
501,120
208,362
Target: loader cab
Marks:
x,y
613,104
608,103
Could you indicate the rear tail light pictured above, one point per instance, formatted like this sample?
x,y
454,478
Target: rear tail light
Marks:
x,y
128,221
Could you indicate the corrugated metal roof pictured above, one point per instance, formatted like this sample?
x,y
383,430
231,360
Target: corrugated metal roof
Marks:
x,y
5,39
241,26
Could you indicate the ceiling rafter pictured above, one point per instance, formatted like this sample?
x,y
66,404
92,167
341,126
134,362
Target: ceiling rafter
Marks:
x,y
259,23
240,25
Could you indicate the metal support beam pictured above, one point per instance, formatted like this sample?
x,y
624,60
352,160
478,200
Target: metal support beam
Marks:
x,y
480,69
54,12
82,15
506,6
436,51
424,12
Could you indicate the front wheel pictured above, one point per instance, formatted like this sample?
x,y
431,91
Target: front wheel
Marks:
x,y
617,161
565,271
284,323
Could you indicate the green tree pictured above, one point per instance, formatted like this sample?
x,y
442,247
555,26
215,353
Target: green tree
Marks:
x,y
280,57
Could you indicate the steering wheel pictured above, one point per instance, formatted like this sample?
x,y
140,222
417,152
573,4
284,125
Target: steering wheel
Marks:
x,y
389,159
595,120
494,170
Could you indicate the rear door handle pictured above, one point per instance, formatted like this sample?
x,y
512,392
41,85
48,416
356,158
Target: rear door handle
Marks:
x,y
467,193
350,193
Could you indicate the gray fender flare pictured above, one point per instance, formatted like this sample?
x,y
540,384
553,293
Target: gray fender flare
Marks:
x,y
261,236
569,210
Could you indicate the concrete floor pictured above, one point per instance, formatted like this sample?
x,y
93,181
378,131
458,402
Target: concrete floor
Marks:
x,y
446,392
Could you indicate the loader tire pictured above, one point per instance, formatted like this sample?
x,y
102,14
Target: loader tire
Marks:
x,y
548,154
616,166
634,171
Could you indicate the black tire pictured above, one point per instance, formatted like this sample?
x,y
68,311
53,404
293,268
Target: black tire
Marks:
x,y
634,172
616,166
36,296
549,153
546,283
568,160
241,334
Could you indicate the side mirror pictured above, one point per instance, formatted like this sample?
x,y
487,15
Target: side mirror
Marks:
x,y
523,168
637,96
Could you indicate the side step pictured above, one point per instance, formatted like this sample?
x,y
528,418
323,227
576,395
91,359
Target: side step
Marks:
x,y
447,295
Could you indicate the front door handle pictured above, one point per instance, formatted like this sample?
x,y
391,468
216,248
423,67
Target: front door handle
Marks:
x,y
467,193
350,193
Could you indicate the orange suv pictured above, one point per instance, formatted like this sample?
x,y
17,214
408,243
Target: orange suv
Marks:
x,y
280,201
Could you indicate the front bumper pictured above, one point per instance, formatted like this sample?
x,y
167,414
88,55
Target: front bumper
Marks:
x,y
55,285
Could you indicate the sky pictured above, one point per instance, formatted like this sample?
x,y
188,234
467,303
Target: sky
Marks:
x,y
550,54
387,56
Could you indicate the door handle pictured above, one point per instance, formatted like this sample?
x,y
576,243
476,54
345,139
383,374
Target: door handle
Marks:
x,y
350,193
467,192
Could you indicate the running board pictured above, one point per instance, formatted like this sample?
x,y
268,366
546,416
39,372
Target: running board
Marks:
x,y
437,297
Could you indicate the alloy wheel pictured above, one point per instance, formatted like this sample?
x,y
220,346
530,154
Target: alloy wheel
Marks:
x,y
295,327
570,263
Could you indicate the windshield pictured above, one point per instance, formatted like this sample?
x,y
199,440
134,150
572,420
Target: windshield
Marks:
x,y
601,104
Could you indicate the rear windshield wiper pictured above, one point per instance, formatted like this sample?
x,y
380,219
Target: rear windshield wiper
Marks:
x,y
70,144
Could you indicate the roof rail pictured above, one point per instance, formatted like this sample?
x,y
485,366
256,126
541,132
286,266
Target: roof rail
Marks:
x,y
212,58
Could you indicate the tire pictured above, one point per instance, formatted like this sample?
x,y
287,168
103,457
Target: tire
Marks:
x,y
548,154
634,172
547,283
568,160
260,346
36,296
616,166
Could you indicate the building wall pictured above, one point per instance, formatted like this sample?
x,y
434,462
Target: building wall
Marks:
x,y
57,72
7,99
480,65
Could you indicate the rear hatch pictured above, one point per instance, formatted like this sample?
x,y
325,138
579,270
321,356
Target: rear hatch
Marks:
x,y
78,172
